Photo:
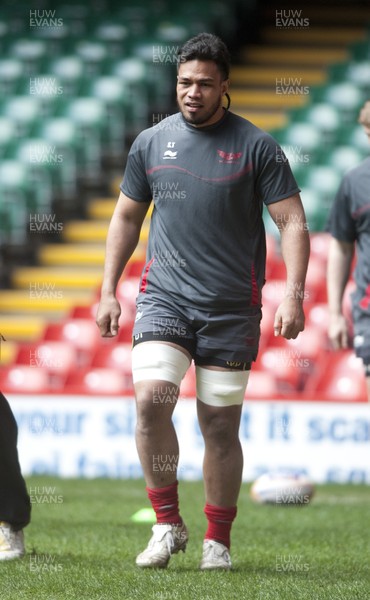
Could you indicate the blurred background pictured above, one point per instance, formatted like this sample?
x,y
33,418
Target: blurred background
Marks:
x,y
78,82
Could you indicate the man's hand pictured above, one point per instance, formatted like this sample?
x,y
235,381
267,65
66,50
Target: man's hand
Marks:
x,y
338,331
289,318
107,316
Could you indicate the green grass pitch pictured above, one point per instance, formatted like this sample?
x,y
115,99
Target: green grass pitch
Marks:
x,y
81,545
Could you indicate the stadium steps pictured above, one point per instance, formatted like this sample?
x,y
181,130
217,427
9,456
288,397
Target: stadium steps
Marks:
x,y
68,275
101,208
41,297
20,327
267,99
292,54
314,36
324,15
61,277
266,76
297,56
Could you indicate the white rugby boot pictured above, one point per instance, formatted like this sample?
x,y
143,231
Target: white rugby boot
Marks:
x,y
166,540
11,542
215,556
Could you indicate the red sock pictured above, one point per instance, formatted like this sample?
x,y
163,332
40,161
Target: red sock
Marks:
x,y
220,519
165,502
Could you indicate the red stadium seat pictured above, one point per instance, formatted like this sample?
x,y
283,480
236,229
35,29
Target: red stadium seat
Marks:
x,y
278,270
271,248
188,388
24,379
320,246
128,289
82,334
281,363
134,268
116,356
315,289
317,315
308,345
56,358
84,312
98,381
125,333
273,292
262,385
340,379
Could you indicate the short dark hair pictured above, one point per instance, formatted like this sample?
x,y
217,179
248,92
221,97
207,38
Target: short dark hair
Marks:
x,y
206,46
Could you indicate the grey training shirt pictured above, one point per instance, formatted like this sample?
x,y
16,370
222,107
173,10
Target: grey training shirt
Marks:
x,y
206,245
349,221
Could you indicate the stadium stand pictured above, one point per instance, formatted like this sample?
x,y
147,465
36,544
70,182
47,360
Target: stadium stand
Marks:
x,y
75,94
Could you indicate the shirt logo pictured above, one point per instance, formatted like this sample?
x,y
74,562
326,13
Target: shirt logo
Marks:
x,y
169,154
229,158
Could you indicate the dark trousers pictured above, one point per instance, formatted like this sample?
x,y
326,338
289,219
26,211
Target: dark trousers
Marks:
x,y
15,505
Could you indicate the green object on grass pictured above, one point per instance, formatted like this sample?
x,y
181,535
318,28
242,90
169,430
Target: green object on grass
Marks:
x,y
144,515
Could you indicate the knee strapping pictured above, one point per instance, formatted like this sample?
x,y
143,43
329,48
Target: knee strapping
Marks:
x,y
221,388
160,362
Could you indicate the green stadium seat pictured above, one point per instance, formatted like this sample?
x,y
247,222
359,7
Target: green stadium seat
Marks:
x,y
361,50
359,140
56,37
359,75
316,213
61,133
32,53
93,55
11,75
133,73
172,31
326,119
111,90
345,158
15,195
347,98
114,36
25,112
48,90
41,161
7,137
88,116
137,18
69,70
325,180
302,139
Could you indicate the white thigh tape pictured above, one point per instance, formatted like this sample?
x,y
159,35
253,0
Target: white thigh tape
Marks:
x,y
158,362
221,388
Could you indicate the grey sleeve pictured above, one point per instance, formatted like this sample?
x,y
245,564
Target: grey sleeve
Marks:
x,y
135,183
341,225
275,180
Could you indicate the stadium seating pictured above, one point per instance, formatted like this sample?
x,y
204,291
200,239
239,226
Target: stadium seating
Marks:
x,y
56,358
82,336
24,379
100,381
114,356
340,378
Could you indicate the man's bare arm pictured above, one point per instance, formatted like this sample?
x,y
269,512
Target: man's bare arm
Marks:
x,y
122,239
338,272
289,216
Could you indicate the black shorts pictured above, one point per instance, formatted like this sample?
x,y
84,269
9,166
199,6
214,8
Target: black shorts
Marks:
x,y
361,330
212,338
